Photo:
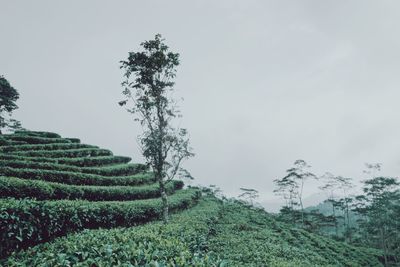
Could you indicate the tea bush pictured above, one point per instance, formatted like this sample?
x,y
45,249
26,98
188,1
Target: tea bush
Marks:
x,y
38,134
56,146
76,178
25,223
80,162
35,139
80,152
113,170
212,233
19,188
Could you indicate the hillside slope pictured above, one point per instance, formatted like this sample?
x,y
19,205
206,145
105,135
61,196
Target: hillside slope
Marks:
x,y
54,190
209,234
51,186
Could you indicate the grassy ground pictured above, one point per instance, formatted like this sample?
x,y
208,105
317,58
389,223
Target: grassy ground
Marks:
x,y
209,234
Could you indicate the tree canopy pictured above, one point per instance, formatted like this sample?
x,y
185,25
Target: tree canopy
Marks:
x,y
8,97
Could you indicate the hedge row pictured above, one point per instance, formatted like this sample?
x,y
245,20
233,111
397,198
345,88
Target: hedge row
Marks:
x,y
38,134
25,223
74,140
20,188
35,139
56,146
5,142
184,241
76,178
117,170
80,162
71,153
114,170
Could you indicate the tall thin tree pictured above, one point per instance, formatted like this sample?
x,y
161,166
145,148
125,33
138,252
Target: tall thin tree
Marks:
x,y
148,87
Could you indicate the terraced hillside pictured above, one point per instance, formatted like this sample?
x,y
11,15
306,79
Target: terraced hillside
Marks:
x,y
212,233
51,186
56,193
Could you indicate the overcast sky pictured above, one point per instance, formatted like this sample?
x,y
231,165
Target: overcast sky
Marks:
x,y
264,82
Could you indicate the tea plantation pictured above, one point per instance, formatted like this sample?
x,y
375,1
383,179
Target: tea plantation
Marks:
x,y
60,199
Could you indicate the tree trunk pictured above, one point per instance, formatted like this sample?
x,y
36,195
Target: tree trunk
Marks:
x,y
383,245
301,202
164,200
334,217
348,222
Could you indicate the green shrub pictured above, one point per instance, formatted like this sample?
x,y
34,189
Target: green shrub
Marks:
x,y
114,170
5,142
76,178
25,223
35,139
70,153
183,242
56,146
38,134
117,170
20,188
80,162
74,140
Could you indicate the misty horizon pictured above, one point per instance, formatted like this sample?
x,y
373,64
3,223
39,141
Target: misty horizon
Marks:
x,y
264,83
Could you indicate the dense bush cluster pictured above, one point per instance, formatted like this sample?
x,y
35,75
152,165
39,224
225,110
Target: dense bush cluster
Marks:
x,y
80,152
114,170
21,188
80,162
213,233
38,134
36,139
25,147
51,186
27,222
77,178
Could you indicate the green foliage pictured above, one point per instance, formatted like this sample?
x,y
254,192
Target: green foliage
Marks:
x,y
148,84
38,134
76,177
70,153
56,146
86,191
213,233
379,208
36,139
25,223
114,170
20,188
80,162
51,186
8,96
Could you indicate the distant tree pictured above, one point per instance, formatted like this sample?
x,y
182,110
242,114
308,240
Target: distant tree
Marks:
x,y
148,87
339,186
8,96
292,185
331,185
249,195
381,206
372,169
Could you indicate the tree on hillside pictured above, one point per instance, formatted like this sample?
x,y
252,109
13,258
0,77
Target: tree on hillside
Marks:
x,y
381,206
148,88
8,96
249,195
339,197
291,186
331,186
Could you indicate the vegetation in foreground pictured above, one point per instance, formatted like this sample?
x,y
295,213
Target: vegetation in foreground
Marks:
x,y
52,186
213,233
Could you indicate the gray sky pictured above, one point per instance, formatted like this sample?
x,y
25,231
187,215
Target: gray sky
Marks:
x,y
264,82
